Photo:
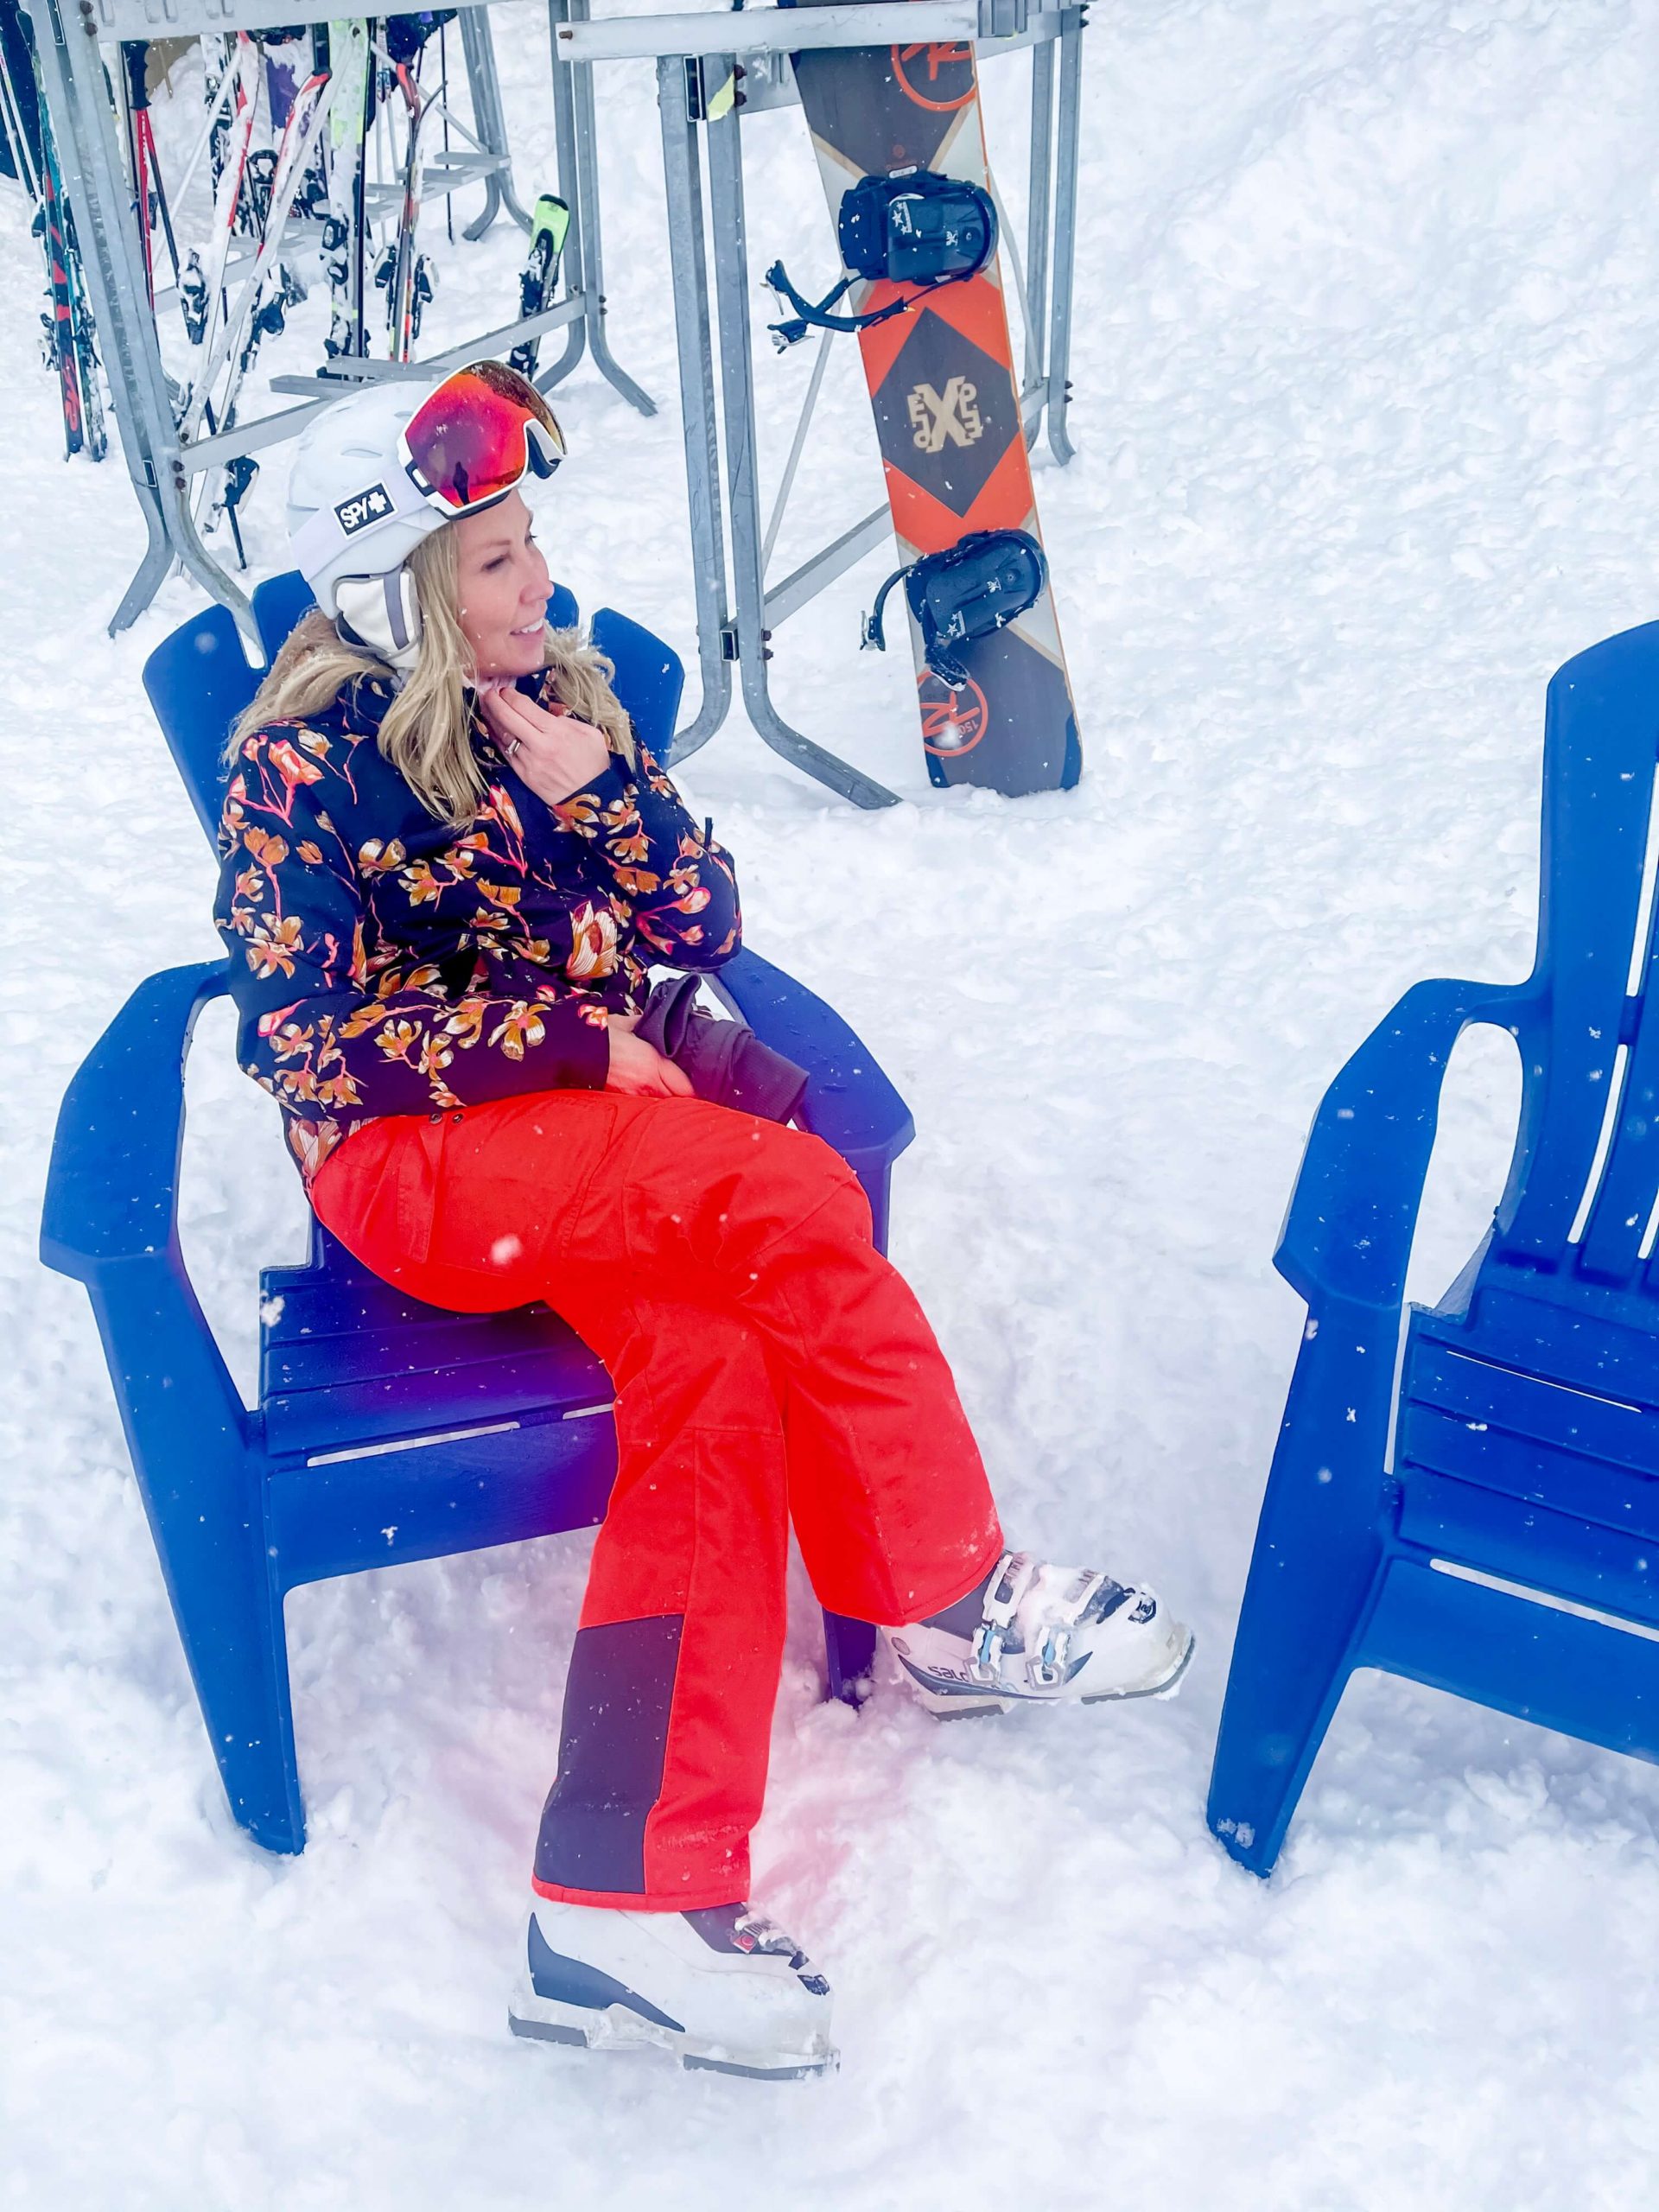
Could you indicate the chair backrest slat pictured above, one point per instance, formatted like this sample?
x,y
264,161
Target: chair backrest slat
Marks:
x,y
1586,1162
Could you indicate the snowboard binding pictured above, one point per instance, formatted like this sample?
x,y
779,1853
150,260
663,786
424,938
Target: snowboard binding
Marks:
x,y
912,226
969,590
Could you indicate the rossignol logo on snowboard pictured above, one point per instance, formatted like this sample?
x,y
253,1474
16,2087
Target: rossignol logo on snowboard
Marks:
x,y
952,722
363,508
950,414
937,77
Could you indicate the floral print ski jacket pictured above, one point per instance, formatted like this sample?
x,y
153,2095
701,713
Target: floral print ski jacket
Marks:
x,y
384,962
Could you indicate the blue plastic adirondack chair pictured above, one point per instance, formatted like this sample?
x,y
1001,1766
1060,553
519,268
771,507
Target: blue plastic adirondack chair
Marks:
x,y
1504,1545
386,1430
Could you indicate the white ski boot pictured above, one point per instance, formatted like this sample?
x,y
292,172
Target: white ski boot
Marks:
x,y
722,1989
1045,1634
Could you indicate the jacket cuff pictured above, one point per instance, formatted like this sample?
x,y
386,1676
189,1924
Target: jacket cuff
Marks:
x,y
583,810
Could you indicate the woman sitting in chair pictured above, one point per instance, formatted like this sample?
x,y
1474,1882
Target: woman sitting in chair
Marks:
x,y
448,865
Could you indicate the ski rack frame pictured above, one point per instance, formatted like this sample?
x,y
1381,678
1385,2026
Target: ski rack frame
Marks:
x,y
69,38
708,79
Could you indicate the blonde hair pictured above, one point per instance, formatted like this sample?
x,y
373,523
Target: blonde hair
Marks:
x,y
427,733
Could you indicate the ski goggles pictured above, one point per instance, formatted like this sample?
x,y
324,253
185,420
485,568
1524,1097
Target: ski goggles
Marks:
x,y
470,441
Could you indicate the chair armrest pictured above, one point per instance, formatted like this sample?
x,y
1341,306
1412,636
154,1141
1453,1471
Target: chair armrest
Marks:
x,y
1348,1230
850,1102
111,1189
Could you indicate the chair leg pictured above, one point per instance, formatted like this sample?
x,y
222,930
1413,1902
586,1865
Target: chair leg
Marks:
x,y
230,1621
850,1647
203,1483
1288,1676
1317,1561
244,1691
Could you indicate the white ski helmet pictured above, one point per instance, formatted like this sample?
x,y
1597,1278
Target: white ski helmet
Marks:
x,y
382,469
352,510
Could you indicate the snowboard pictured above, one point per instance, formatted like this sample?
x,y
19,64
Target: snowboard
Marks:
x,y
946,403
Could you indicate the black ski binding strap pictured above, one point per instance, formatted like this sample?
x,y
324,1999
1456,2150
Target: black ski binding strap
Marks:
x,y
253,213
311,195
910,227
968,591
421,292
193,299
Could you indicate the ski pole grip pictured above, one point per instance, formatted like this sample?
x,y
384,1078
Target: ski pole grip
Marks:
x,y
134,56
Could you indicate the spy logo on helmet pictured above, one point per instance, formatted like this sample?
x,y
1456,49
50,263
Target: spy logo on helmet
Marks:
x,y
952,722
950,414
363,508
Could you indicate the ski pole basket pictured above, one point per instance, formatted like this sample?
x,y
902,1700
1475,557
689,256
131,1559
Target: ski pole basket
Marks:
x,y
974,588
912,226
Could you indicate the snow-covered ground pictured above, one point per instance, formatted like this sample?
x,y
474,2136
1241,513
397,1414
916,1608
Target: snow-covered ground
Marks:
x,y
1367,333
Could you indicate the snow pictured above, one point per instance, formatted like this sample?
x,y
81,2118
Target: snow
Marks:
x,y
1367,322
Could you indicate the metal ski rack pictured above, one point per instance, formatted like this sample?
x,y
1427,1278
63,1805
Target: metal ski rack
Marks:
x,y
68,36
710,69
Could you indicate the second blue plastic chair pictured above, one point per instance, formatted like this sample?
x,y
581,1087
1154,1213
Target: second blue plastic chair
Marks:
x,y
1488,1523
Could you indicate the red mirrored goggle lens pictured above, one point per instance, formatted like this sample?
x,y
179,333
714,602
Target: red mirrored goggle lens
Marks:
x,y
472,440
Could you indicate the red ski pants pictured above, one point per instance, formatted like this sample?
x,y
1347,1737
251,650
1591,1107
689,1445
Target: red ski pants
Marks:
x,y
768,1363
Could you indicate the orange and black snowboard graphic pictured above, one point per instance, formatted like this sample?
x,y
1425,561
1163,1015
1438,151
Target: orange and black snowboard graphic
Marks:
x,y
947,410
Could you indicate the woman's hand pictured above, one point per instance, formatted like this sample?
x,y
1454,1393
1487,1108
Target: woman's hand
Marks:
x,y
638,1069
556,754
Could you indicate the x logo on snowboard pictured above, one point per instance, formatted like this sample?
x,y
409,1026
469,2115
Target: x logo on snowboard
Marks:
x,y
951,415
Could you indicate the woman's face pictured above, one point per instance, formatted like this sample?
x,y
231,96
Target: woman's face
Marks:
x,y
504,585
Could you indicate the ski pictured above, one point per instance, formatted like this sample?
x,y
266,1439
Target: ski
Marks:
x,y
305,120
286,68
218,88
940,369
350,119
261,310
20,101
70,341
201,289
292,58
539,282
404,270
57,323
87,361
